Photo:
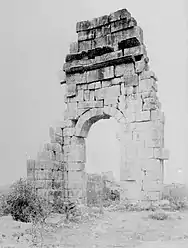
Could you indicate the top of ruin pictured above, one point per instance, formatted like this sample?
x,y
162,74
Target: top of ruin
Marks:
x,y
122,14
105,41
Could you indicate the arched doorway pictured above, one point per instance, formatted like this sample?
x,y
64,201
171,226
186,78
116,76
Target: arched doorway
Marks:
x,y
103,159
103,148
78,146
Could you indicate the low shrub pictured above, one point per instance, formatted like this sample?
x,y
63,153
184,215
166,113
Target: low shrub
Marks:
x,y
159,215
177,203
23,203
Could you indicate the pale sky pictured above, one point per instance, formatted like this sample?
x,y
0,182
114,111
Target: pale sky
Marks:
x,y
34,40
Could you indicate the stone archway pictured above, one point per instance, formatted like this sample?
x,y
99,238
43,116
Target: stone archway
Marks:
x,y
75,152
107,75
82,128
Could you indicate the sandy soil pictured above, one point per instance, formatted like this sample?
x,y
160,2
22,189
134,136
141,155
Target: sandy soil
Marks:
x,y
112,229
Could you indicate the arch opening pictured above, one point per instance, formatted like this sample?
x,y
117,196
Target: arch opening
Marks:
x,y
103,148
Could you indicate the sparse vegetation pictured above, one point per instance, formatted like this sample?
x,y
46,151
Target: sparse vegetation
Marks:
x,y
176,203
159,215
23,204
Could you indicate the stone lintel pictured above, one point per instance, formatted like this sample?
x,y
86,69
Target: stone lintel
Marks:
x,y
126,56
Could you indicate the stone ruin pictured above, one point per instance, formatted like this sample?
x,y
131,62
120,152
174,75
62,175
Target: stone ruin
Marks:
x,y
106,75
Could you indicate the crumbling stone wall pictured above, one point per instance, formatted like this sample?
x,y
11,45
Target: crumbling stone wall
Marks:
x,y
47,171
107,75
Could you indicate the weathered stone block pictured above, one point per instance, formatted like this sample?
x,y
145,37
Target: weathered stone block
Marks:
x,y
56,147
143,116
77,141
40,174
129,90
72,109
57,175
77,155
84,25
100,74
66,149
147,75
157,115
147,85
129,115
75,176
77,78
161,153
75,194
68,131
86,35
106,30
46,165
92,95
48,184
134,51
100,93
80,95
123,24
124,69
119,15
31,164
68,123
76,185
98,32
58,184
153,138
122,103
123,88
151,104
84,45
73,47
90,104
152,166
59,156
98,85
67,140
111,101
30,174
134,105
115,81
76,166
112,92
144,153
108,72
131,190
80,112
149,94
92,76
91,86
86,95
102,41
106,83
125,36
45,155
131,80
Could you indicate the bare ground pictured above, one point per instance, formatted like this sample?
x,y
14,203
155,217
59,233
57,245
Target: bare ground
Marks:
x,y
112,229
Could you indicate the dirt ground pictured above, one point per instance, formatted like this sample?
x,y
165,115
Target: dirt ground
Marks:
x,y
112,229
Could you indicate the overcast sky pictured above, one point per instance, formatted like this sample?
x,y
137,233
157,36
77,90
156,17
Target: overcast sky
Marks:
x,y
34,40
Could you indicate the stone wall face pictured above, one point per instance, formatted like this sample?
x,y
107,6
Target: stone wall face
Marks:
x,y
107,75
47,171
